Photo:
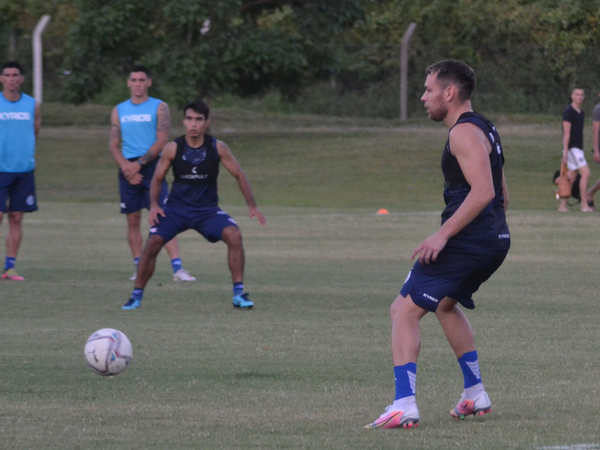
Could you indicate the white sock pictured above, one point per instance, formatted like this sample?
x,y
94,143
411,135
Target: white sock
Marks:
x,y
402,404
472,392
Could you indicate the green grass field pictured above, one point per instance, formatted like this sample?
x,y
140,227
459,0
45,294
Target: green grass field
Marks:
x,y
310,365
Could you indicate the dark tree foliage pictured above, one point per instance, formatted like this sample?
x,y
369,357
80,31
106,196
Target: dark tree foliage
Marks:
x,y
201,48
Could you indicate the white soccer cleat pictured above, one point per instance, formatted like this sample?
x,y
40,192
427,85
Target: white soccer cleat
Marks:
x,y
478,406
393,418
133,277
183,275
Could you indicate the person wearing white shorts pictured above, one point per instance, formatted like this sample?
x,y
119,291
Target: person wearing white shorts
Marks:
x,y
573,119
575,159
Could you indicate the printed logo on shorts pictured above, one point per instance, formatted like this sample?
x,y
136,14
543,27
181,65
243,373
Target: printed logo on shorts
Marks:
x,y
221,212
504,236
30,200
153,230
429,297
123,205
232,221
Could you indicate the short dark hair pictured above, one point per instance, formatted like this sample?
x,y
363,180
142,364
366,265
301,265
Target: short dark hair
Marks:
x,y
12,65
140,69
457,73
197,106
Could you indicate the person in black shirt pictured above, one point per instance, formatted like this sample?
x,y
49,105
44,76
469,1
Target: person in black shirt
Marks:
x,y
573,119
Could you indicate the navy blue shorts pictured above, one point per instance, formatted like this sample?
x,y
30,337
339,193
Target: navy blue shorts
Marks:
x,y
20,189
137,197
458,272
209,222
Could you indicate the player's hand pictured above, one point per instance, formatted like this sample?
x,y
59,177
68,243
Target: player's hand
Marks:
x,y
564,159
136,178
129,169
254,212
155,211
429,250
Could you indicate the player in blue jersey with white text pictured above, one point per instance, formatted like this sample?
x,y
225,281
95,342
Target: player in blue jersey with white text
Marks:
x,y
193,202
468,248
139,130
19,125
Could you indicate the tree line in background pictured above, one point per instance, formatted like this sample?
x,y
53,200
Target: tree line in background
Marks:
x,y
321,56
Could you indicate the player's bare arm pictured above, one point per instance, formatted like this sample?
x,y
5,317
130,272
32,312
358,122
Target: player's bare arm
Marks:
x,y
566,138
163,127
471,148
130,170
505,192
37,123
595,131
163,166
234,168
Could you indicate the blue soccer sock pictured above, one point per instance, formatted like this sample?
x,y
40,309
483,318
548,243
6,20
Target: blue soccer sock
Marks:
x,y
238,288
9,263
469,365
136,261
137,294
406,380
176,264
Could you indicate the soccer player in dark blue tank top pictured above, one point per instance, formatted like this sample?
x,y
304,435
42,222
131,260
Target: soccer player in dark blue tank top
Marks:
x,y
193,201
468,248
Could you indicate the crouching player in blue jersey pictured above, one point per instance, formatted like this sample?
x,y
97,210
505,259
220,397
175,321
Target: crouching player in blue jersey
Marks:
x,y
468,248
193,201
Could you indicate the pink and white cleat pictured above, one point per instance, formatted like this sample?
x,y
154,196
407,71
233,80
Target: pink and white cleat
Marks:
x,y
11,274
479,406
396,419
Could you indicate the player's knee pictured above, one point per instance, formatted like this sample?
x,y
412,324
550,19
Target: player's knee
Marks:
x,y
232,236
15,219
153,245
134,221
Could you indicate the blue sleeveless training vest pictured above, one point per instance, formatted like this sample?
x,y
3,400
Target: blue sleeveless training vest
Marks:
x,y
138,126
195,172
17,134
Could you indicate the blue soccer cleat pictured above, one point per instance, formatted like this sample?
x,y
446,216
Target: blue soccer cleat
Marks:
x,y
242,301
132,304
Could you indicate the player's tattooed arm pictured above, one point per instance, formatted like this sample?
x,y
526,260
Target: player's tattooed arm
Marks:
x,y
163,119
163,126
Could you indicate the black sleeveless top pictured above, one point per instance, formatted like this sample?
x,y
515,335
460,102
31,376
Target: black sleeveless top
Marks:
x,y
489,228
195,172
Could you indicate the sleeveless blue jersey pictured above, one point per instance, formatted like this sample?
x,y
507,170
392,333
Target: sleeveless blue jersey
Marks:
x,y
489,228
138,126
17,134
195,172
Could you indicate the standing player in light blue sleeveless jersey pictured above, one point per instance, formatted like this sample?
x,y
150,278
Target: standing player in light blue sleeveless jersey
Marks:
x,y
139,131
19,125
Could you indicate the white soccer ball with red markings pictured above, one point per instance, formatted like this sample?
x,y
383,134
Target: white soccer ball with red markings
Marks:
x,y
108,352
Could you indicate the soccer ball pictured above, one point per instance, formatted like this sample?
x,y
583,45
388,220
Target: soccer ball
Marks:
x,y
108,352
